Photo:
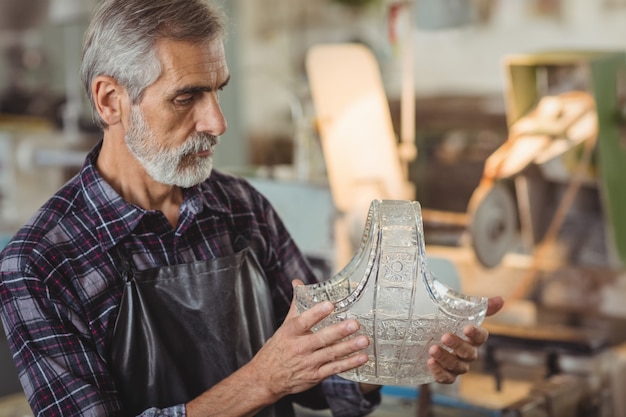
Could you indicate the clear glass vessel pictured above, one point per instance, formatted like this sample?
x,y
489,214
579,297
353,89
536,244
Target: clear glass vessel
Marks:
x,y
388,288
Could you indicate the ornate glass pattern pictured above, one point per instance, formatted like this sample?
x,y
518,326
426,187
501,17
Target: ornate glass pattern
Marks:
x,y
388,288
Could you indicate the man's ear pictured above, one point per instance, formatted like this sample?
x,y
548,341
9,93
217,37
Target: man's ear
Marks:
x,y
108,97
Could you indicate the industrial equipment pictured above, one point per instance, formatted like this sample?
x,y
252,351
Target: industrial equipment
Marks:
x,y
358,141
558,102
363,162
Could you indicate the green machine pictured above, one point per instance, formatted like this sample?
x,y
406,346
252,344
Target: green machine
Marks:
x,y
493,209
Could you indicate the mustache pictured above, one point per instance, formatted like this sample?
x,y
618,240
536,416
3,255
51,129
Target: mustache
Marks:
x,y
200,142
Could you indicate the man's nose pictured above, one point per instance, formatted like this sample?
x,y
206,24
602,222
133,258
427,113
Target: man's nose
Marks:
x,y
209,116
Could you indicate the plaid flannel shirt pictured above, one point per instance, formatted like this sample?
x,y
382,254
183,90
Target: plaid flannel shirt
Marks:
x,y
60,282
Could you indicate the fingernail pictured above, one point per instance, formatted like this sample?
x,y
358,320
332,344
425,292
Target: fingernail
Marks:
x,y
433,351
326,306
352,326
362,342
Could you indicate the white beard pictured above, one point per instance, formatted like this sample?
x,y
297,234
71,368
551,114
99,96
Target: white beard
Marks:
x,y
179,166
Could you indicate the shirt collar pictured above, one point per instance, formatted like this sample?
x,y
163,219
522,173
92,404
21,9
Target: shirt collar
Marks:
x,y
206,195
116,218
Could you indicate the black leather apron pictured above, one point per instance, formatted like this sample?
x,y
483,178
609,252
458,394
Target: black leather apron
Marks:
x,y
182,329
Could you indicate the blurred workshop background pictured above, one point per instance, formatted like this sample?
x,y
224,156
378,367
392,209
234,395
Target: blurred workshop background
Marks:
x,y
503,118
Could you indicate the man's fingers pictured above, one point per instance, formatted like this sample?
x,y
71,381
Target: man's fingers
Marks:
x,y
476,336
494,304
459,355
441,375
332,334
293,311
342,365
309,318
452,362
340,348
459,348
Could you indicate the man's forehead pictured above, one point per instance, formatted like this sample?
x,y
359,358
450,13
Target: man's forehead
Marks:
x,y
189,63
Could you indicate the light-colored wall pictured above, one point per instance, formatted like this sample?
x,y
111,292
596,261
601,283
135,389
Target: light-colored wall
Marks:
x,y
470,59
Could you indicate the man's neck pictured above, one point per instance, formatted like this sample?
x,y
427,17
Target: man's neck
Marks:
x,y
119,167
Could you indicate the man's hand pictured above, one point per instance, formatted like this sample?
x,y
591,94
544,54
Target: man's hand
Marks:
x,y
295,359
446,366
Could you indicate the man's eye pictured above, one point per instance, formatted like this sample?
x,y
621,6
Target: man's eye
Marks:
x,y
183,99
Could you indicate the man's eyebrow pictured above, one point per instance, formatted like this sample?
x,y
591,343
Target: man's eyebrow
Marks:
x,y
193,89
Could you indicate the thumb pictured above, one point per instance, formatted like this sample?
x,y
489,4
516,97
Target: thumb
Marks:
x,y
494,304
293,312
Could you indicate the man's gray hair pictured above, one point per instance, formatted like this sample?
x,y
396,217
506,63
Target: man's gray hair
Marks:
x,y
120,41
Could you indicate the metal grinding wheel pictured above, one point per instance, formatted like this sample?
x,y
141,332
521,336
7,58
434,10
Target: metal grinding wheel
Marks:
x,y
492,227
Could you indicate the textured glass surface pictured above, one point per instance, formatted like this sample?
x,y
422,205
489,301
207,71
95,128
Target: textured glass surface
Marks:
x,y
388,288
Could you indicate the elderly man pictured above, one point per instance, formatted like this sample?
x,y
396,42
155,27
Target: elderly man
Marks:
x,y
151,284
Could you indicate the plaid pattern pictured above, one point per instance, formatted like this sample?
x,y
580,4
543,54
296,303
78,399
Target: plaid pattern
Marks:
x,y
61,282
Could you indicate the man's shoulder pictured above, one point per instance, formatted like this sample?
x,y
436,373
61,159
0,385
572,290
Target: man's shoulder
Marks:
x,y
68,202
60,219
